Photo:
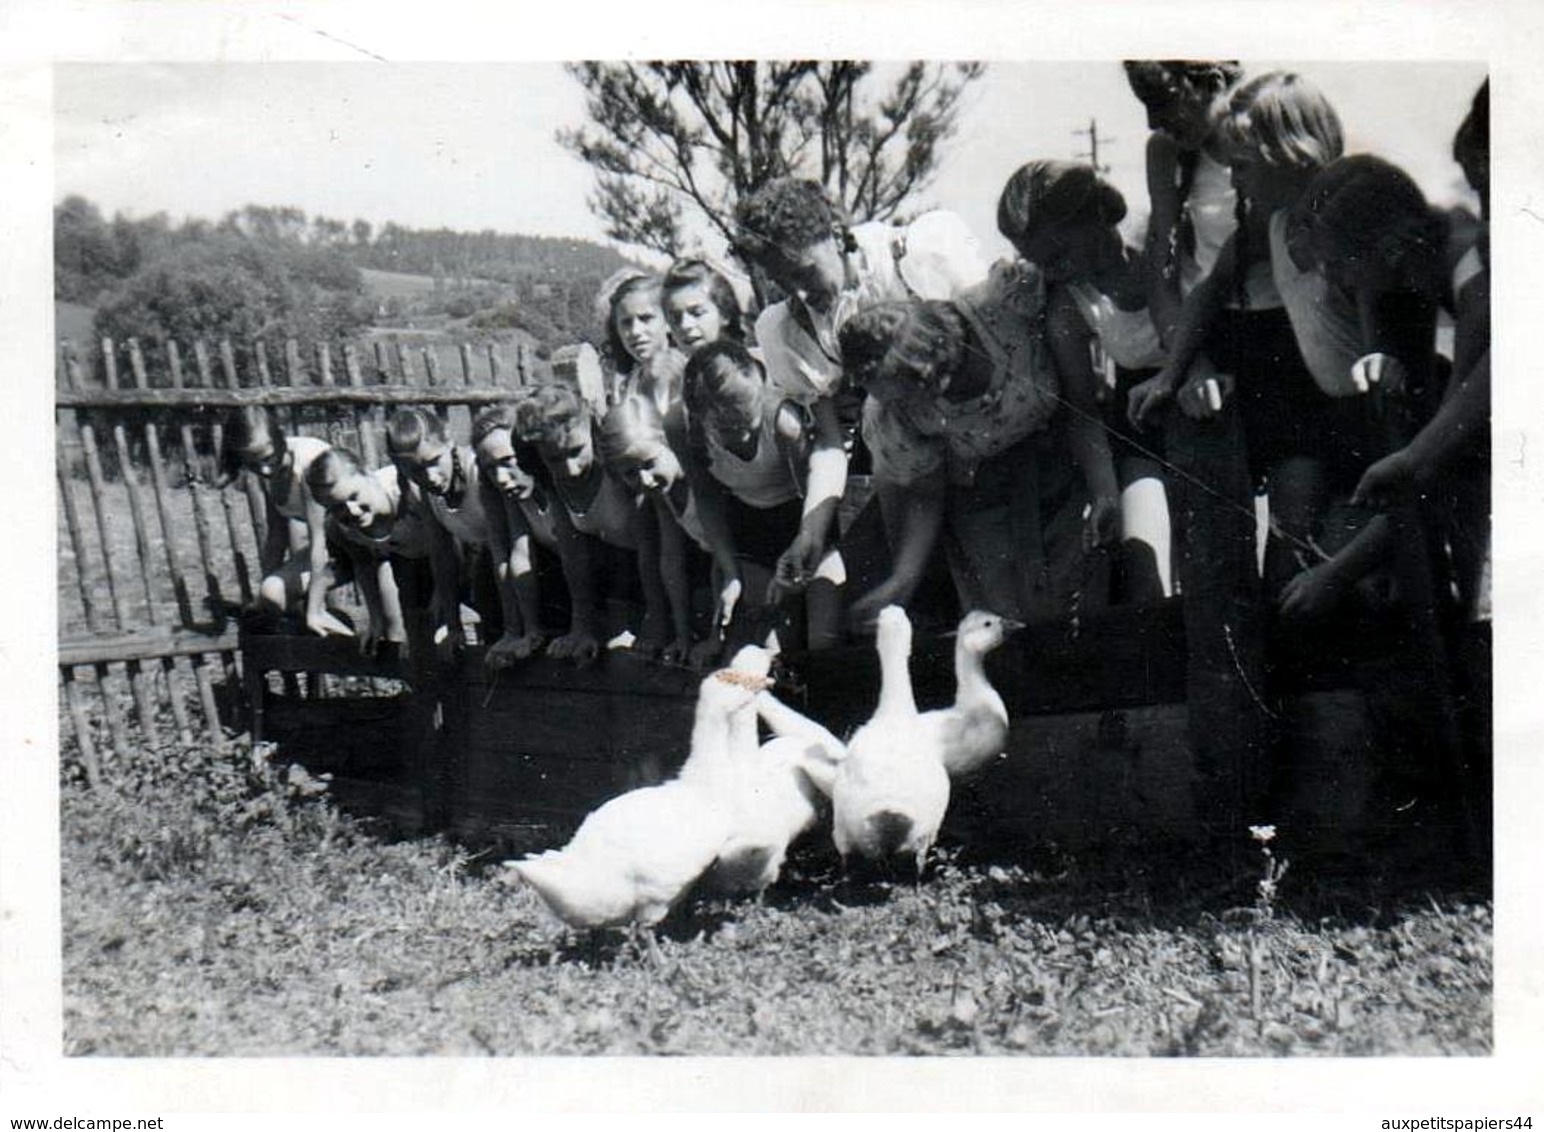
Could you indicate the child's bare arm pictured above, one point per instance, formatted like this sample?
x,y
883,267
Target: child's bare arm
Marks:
x,y
656,603
575,553
673,581
318,619
275,548
367,572
1087,439
509,541
1464,413
1315,591
827,482
713,503
914,516
445,605
1161,267
1200,309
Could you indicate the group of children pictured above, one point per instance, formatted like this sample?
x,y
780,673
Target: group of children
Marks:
x,y
1085,403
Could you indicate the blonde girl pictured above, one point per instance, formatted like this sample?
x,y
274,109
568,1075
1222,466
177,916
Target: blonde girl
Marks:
x,y
634,448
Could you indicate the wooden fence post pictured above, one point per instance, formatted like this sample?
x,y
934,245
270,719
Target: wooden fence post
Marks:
x,y
94,480
257,505
196,493
82,722
335,430
77,544
366,420
161,492
232,527
144,696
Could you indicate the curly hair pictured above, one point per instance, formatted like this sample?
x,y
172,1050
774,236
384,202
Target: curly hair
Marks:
x,y
918,342
784,214
685,273
547,414
1285,120
1055,192
1158,82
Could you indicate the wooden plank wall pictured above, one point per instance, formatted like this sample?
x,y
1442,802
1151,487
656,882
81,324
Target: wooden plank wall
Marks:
x,y
156,557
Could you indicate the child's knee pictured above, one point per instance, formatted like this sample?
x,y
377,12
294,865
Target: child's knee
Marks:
x,y
520,564
272,594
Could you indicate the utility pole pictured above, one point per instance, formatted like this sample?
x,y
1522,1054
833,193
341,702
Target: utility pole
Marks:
x,y
1092,156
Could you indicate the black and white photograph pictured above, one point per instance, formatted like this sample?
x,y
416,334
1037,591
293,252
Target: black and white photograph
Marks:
x,y
932,553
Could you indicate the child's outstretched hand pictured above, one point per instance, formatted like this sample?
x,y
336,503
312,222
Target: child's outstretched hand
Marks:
x,y
677,652
512,648
795,567
1386,481
326,624
1378,371
1204,394
862,614
449,640
1147,397
580,646
1311,594
1101,527
370,640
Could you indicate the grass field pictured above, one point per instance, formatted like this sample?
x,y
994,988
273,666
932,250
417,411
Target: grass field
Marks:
x,y
215,905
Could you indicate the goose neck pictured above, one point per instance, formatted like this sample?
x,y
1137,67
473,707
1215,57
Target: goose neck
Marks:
x,y
895,693
969,673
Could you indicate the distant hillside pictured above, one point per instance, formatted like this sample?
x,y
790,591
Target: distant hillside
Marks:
x,y
481,284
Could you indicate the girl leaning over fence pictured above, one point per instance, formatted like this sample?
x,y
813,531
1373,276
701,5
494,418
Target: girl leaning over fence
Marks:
x,y
1062,217
748,465
294,557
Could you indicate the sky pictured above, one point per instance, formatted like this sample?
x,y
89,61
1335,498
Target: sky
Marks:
x,y
471,145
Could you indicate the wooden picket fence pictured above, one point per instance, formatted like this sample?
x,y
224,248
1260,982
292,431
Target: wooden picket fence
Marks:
x,y
155,561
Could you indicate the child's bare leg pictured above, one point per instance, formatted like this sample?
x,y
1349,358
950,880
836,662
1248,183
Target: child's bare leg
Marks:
x,y
1144,511
823,602
1299,491
285,589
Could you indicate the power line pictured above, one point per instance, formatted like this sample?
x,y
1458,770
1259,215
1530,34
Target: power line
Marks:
x,y
1092,155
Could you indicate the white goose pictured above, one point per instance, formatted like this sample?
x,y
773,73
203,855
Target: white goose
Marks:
x,y
890,793
974,731
636,856
772,790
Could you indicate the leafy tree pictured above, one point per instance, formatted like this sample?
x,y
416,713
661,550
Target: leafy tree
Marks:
x,y
670,139
228,286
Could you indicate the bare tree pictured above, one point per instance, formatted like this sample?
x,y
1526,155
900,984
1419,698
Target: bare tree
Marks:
x,y
671,138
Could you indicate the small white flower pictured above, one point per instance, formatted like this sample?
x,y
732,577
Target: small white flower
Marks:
x,y
1262,833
